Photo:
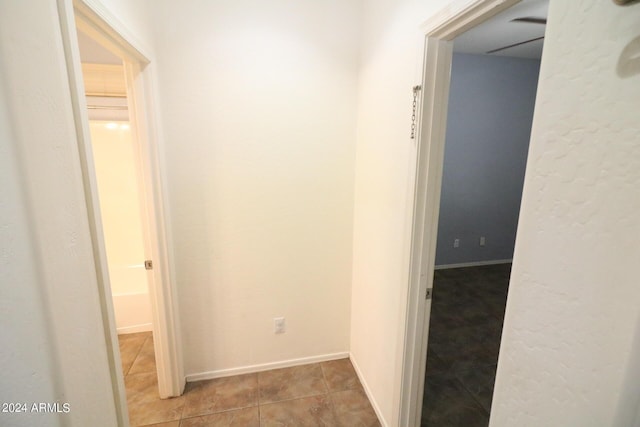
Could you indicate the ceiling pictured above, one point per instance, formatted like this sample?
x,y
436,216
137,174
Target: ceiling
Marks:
x,y
92,52
500,31
494,33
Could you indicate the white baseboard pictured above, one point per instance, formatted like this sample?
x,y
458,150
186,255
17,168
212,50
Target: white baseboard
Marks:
x,y
145,327
367,391
264,367
473,264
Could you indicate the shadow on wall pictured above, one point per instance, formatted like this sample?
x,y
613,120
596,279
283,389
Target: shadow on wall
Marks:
x,y
629,62
628,411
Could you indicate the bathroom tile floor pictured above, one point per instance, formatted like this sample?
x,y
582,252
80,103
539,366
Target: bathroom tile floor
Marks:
x,y
465,328
319,394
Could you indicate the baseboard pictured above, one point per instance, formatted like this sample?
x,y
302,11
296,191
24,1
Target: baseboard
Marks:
x,y
473,264
367,391
145,327
132,312
265,367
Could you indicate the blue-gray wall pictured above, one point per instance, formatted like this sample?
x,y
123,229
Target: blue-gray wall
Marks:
x,y
488,128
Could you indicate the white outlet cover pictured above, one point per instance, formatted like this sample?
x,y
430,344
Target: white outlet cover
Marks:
x,y
279,326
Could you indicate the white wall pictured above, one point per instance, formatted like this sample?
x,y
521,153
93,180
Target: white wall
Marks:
x,y
571,340
134,17
258,102
52,339
27,374
385,168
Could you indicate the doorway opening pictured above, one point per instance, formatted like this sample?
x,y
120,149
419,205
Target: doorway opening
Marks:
x,y
479,99
131,118
120,189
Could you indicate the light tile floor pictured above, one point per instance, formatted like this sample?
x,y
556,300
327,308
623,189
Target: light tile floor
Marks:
x,y
319,394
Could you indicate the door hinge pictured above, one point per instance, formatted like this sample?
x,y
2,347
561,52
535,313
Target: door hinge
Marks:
x,y
148,264
429,293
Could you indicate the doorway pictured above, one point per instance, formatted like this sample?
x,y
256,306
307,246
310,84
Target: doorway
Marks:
x,y
120,189
490,114
448,221
119,185
88,18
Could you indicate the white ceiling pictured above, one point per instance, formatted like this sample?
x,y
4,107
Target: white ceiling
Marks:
x,y
494,33
499,31
92,52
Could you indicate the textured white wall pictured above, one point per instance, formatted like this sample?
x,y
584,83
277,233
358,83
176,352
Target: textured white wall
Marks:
x,y
27,374
571,340
258,104
53,343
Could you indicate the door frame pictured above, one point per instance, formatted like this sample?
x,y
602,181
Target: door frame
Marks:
x,y
439,32
92,18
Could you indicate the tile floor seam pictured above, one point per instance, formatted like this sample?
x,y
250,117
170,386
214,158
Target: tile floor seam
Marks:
x,y
239,408
259,388
333,406
293,398
137,355
465,388
324,377
259,413
184,405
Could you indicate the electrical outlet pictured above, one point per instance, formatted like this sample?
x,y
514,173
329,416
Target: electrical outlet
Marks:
x,y
456,243
482,241
279,326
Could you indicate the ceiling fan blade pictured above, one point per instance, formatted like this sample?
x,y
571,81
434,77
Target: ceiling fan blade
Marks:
x,y
531,20
514,45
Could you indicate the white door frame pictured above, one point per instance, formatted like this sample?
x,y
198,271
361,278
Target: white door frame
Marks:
x,y
91,17
439,31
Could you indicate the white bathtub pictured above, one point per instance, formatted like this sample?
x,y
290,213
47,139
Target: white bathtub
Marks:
x,y
133,312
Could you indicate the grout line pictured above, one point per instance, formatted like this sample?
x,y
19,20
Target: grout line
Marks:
x,y
259,415
294,398
472,396
324,377
124,374
139,352
239,408
257,374
329,393
184,406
